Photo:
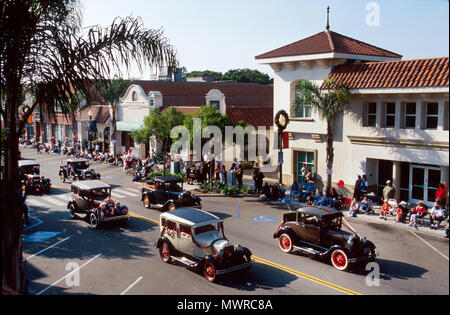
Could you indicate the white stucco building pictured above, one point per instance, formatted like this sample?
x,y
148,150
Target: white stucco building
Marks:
x,y
397,126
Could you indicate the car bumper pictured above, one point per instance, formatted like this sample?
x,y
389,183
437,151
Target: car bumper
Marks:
x,y
234,268
368,258
115,218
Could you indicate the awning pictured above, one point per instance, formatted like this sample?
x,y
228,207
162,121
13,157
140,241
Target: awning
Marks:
x,y
128,125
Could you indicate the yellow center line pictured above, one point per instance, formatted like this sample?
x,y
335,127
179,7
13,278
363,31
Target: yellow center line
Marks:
x,y
277,266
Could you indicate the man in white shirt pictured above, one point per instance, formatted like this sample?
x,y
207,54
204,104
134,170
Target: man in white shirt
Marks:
x,y
436,214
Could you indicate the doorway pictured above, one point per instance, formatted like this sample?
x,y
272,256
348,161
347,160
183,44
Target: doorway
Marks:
x,y
424,181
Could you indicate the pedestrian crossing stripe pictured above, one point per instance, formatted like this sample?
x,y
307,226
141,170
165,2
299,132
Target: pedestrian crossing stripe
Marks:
x,y
114,194
121,191
36,203
53,200
65,197
134,190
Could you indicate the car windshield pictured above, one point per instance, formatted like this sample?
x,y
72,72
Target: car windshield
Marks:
x,y
81,165
100,193
205,228
30,169
332,223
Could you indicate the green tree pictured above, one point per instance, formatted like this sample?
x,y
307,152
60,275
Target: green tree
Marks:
x,y
111,91
43,46
206,73
159,125
247,76
330,102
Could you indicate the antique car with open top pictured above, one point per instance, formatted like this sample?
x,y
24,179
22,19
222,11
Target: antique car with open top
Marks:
x,y
318,232
92,199
29,172
196,239
167,194
77,169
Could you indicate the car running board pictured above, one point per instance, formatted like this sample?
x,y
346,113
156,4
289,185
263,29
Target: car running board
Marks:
x,y
185,261
308,250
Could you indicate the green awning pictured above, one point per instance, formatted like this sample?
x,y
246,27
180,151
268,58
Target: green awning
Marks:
x,y
128,125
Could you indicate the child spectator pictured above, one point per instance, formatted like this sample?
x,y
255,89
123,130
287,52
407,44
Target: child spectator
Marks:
x,y
402,212
385,209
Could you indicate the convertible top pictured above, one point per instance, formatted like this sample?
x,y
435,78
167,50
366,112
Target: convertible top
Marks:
x,y
90,184
320,211
191,216
77,160
28,163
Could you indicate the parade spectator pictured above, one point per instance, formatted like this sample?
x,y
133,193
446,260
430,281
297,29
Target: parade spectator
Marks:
x,y
304,171
294,190
388,191
354,208
385,208
222,173
366,205
437,215
441,193
321,200
364,185
239,175
332,195
309,192
357,189
258,178
402,212
308,177
419,211
446,229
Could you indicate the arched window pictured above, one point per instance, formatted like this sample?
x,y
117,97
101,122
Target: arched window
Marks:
x,y
134,96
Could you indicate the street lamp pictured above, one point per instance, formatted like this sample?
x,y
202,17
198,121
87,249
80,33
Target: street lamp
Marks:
x,y
282,121
90,130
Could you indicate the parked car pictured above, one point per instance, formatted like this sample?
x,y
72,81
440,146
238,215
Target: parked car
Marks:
x,y
196,239
77,169
317,231
167,194
92,199
29,172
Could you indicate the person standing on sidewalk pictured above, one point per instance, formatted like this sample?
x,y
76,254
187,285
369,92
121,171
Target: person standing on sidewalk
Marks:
x,y
388,191
364,185
357,189
239,175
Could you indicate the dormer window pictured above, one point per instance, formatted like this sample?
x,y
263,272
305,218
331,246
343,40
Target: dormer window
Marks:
x,y
152,103
216,104
134,96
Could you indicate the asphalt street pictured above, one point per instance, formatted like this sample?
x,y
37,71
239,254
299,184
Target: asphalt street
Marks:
x,y
66,256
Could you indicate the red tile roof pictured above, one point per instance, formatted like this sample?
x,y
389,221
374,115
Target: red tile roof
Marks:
x,y
394,74
194,93
328,42
260,116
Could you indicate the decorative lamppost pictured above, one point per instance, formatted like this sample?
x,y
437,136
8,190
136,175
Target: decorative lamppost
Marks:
x,y
282,121
90,131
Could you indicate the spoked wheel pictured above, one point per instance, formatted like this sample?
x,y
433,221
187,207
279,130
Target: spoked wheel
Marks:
x,y
285,243
164,252
93,220
171,207
339,260
209,271
146,202
73,214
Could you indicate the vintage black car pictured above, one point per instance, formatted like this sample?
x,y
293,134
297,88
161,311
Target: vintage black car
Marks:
x,y
29,172
92,199
167,194
196,239
77,169
317,231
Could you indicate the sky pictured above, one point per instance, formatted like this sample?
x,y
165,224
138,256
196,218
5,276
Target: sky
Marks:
x,y
220,35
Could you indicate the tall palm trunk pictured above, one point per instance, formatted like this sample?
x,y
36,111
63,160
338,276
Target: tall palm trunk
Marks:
x,y
113,141
330,154
11,222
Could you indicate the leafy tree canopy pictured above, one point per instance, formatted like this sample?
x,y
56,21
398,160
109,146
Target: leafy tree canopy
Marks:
x,y
236,75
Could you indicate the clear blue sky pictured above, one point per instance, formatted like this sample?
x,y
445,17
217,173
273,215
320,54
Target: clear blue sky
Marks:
x,y
220,35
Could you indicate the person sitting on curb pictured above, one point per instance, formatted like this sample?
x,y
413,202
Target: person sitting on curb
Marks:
x,y
354,208
385,209
437,214
321,200
419,211
402,212
294,190
366,205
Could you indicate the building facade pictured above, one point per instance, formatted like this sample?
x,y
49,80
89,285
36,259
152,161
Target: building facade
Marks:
x,y
397,125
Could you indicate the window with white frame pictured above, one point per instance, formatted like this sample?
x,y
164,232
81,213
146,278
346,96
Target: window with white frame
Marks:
x,y
431,115
389,121
410,115
371,114
300,108
215,103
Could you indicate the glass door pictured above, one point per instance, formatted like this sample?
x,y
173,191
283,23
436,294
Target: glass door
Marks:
x,y
424,182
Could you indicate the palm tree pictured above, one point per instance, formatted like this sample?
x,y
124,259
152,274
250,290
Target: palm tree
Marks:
x,y
111,91
330,102
45,48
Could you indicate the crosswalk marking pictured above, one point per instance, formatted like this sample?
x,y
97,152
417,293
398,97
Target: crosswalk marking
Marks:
x,y
121,191
114,194
36,203
53,200
65,197
134,190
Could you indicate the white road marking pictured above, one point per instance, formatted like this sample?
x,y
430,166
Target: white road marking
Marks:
x,y
40,252
36,203
114,194
429,245
121,191
132,285
70,273
65,197
134,190
53,200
